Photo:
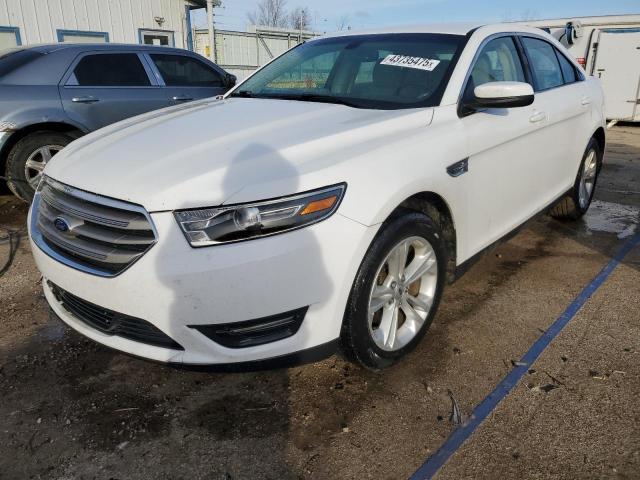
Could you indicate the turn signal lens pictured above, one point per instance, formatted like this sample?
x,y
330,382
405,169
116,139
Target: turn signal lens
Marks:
x,y
319,205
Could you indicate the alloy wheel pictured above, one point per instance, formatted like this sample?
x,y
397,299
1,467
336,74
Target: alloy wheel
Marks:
x,y
34,166
588,179
403,293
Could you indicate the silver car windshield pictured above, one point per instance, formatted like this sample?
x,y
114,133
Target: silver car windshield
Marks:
x,y
386,71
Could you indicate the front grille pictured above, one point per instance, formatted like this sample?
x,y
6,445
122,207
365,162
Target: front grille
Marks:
x,y
254,332
112,323
89,232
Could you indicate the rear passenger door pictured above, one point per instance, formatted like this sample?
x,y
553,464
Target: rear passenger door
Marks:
x,y
562,95
186,78
101,88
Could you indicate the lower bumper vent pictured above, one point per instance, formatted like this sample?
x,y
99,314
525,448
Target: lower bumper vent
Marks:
x,y
113,323
254,332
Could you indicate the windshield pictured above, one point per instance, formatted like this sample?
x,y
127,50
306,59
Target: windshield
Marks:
x,y
388,71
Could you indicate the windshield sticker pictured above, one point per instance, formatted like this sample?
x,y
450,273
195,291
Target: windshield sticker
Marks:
x,y
411,62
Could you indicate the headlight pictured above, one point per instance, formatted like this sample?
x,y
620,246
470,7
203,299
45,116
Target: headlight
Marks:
x,y
214,226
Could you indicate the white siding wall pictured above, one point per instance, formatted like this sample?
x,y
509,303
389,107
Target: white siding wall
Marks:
x,y
39,20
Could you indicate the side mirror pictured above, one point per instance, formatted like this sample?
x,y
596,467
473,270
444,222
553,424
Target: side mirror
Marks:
x,y
501,95
231,80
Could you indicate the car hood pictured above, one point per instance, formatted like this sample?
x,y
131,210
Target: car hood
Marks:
x,y
226,151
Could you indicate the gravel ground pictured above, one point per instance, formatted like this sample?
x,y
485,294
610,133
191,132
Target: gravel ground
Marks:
x,y
70,408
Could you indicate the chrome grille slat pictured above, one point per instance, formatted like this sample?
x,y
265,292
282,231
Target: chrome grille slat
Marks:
x,y
92,212
83,247
102,236
100,232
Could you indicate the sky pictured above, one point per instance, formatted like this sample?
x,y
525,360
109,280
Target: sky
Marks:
x,y
328,14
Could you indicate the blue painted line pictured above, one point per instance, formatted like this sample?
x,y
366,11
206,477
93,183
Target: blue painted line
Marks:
x,y
482,411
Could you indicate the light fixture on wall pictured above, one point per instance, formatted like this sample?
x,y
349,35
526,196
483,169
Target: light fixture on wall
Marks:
x,y
159,20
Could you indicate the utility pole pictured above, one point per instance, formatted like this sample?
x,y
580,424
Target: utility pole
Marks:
x,y
212,32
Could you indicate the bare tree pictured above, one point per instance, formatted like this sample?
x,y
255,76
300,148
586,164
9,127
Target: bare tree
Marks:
x,y
529,15
300,18
343,23
270,13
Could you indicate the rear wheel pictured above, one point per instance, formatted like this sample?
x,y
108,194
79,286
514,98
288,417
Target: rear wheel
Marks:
x,y
576,203
396,292
28,158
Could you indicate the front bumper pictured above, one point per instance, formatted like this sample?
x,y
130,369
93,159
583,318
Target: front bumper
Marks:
x,y
175,287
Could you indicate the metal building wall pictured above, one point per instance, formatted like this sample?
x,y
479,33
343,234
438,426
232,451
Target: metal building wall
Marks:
x,y
240,53
39,20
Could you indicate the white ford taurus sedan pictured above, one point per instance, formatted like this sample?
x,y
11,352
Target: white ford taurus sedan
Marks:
x,y
323,203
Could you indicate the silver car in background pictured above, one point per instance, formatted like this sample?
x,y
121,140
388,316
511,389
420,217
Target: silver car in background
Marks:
x,y
53,94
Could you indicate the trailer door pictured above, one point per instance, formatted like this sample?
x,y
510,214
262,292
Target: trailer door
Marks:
x,y
618,67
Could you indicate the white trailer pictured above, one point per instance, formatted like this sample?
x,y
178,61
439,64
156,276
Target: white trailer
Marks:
x,y
608,48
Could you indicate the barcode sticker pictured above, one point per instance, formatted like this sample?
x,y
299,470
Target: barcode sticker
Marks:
x,y
419,63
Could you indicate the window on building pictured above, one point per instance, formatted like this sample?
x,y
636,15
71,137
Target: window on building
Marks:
x,y
157,37
9,37
544,63
110,70
182,71
81,36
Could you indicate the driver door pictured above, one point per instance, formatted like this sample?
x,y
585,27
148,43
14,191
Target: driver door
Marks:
x,y
504,144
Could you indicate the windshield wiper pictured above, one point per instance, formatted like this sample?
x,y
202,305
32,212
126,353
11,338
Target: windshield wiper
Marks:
x,y
314,97
301,97
243,94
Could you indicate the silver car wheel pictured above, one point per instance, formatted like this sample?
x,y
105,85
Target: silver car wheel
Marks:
x,y
36,162
588,179
402,294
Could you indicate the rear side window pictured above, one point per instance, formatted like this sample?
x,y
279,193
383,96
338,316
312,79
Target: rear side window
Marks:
x,y
110,70
498,61
568,70
182,71
544,64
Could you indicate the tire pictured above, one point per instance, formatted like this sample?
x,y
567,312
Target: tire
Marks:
x,y
360,339
577,202
33,148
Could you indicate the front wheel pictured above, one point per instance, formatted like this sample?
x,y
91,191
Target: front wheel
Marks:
x,y
576,203
27,160
396,292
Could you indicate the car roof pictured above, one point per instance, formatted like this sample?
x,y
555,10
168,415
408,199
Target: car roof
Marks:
x,y
455,28
81,47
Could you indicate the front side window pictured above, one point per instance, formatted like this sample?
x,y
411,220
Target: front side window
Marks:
x,y
110,70
366,71
498,61
181,71
544,64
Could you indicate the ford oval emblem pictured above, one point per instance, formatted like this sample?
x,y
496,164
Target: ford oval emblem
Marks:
x,y
61,224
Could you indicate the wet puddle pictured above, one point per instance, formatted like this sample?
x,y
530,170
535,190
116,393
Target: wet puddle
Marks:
x,y
621,220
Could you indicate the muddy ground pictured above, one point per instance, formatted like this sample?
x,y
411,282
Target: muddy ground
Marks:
x,y
70,408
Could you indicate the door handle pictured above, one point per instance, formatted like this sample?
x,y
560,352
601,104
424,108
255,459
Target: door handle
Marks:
x,y
85,99
181,98
585,101
538,117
